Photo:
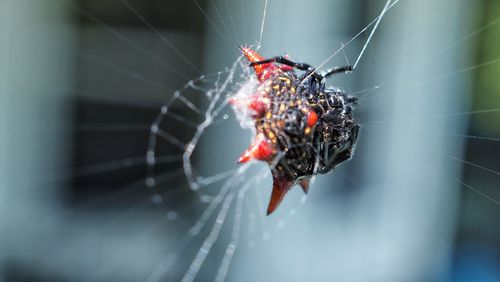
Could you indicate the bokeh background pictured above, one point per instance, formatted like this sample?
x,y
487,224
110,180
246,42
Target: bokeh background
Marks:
x,y
82,81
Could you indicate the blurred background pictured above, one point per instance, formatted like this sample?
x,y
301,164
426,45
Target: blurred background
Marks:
x,y
81,83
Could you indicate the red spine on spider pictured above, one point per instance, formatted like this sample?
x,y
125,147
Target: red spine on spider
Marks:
x,y
303,128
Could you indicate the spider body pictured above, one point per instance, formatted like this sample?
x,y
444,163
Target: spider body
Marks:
x,y
303,128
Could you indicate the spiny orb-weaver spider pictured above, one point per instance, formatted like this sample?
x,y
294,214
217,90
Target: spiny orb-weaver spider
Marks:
x,y
303,128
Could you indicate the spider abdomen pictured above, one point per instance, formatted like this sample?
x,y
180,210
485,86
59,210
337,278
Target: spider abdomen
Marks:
x,y
303,128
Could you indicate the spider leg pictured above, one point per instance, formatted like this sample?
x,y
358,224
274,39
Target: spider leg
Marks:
x,y
312,73
301,66
352,100
336,70
283,60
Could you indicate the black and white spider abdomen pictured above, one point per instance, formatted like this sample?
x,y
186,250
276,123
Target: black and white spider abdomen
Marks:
x,y
337,130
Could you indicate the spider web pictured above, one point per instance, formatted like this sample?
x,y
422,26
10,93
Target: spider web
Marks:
x,y
225,196
216,209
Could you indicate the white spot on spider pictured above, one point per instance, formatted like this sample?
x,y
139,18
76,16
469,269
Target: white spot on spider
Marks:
x,y
343,104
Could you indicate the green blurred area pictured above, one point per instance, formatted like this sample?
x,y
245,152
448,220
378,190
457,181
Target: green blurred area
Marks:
x,y
487,93
478,229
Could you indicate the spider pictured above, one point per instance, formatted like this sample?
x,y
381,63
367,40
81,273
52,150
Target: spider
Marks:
x,y
302,127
